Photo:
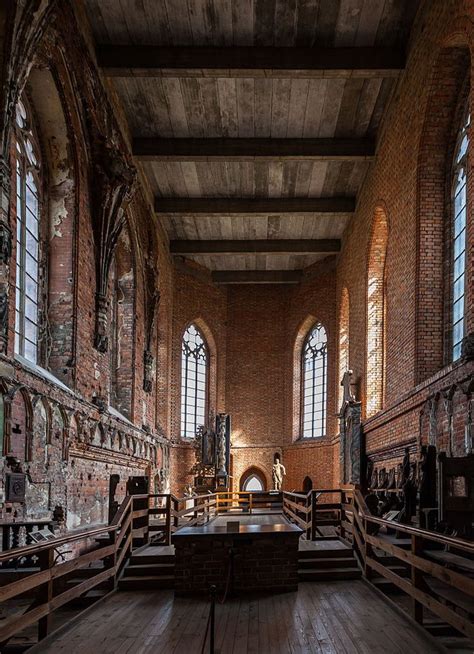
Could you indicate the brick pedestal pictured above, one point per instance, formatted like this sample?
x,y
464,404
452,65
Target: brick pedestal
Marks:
x,y
260,558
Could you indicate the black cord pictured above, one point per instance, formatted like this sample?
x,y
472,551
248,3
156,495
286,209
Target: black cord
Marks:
x,y
206,632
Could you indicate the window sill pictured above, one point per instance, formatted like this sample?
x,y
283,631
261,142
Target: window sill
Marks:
x,y
116,414
310,439
43,373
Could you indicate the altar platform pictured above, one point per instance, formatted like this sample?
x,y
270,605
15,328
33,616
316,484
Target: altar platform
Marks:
x,y
252,553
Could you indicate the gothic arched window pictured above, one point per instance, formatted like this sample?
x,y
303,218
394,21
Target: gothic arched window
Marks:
x,y
27,293
459,218
194,367
314,367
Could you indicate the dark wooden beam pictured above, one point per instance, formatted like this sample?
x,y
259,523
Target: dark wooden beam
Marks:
x,y
254,205
257,276
158,61
250,149
255,246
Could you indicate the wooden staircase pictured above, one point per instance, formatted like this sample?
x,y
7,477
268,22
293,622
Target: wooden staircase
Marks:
x,y
152,568
328,564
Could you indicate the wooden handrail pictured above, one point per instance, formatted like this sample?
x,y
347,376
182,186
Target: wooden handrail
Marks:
x,y
420,563
299,495
29,550
425,534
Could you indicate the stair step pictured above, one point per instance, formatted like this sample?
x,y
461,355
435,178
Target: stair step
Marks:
x,y
325,554
154,570
89,598
442,629
145,583
333,574
386,586
323,564
147,559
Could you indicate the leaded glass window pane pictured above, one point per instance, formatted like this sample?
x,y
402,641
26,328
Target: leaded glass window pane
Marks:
x,y
314,376
459,195
194,371
27,233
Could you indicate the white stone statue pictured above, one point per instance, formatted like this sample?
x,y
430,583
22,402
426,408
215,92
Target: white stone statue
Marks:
x,y
278,472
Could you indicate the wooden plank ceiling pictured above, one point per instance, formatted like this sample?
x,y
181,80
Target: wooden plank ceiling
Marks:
x,y
315,74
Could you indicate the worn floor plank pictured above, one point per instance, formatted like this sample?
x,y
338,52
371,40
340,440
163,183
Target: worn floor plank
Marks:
x,y
321,618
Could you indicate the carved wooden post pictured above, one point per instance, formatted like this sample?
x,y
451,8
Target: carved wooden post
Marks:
x,y
314,501
45,592
416,578
175,514
168,520
341,513
111,561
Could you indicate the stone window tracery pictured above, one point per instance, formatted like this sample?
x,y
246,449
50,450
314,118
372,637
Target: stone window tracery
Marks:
x,y
314,383
194,381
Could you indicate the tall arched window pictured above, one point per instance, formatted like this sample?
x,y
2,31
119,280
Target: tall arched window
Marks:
x,y
376,313
27,235
194,373
343,340
459,217
314,383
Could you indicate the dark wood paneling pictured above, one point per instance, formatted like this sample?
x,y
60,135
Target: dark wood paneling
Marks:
x,y
156,149
253,205
256,246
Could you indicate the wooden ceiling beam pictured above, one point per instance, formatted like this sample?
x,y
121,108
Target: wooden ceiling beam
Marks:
x,y
256,276
255,246
220,206
158,61
251,149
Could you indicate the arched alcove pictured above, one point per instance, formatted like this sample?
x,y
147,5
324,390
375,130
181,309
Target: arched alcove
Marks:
x,y
253,479
121,323
435,208
375,353
58,213
343,363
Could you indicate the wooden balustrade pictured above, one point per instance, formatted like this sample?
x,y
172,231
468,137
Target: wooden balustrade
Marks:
x,y
317,509
438,568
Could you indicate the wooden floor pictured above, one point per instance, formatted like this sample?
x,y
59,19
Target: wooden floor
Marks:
x,y
327,618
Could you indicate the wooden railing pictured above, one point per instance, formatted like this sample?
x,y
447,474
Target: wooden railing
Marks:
x,y
436,567
66,568
234,501
325,507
